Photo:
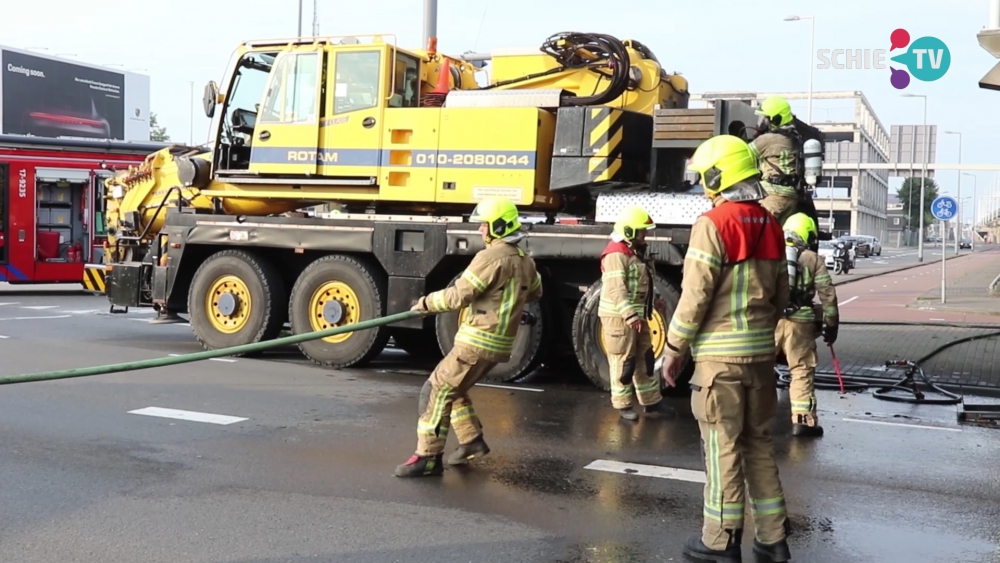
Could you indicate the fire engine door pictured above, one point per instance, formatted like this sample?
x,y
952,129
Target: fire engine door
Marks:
x,y
286,136
4,212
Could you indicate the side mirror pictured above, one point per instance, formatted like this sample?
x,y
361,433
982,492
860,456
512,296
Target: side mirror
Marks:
x,y
210,98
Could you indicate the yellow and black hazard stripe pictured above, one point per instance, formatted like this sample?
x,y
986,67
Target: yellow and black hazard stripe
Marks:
x,y
602,136
94,278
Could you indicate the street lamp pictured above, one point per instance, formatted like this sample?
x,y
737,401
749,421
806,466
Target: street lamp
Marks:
x,y
920,211
812,49
958,229
975,209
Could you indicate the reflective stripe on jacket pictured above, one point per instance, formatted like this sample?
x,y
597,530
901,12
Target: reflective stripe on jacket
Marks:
x,y
814,279
625,283
776,154
495,287
734,288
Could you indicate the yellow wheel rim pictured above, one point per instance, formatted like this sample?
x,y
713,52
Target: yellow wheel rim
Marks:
x,y
235,321
657,335
341,299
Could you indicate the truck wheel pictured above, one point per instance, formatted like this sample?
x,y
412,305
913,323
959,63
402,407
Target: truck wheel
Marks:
x,y
530,347
334,291
236,298
589,344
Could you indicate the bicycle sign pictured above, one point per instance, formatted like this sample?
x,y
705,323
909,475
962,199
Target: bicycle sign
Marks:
x,y
944,208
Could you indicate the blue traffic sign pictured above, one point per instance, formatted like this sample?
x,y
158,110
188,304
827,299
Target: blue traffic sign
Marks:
x,y
944,208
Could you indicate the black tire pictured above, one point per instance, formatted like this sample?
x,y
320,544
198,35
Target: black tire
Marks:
x,y
420,344
358,348
587,335
531,347
268,299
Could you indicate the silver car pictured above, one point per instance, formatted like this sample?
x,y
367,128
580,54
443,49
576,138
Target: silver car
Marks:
x,y
873,244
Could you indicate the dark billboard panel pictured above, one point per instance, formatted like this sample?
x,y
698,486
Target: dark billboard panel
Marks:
x,y
51,98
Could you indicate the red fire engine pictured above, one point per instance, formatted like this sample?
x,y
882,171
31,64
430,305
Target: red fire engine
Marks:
x,y
52,206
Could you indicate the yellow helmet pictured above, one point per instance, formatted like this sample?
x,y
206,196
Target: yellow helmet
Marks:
x,y
777,110
800,226
723,161
499,213
631,220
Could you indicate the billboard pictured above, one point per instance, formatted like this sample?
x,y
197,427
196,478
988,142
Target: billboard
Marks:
x,y
48,97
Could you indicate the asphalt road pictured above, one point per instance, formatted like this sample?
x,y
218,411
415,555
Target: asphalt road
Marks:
x,y
304,470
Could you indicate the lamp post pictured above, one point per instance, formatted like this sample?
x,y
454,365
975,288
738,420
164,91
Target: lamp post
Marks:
x,y
300,20
958,229
920,211
975,209
812,49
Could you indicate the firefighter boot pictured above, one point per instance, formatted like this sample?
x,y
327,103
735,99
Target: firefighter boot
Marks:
x,y
659,410
628,413
466,452
772,553
696,549
802,427
420,466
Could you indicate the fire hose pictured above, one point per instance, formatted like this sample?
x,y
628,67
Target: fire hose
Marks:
x,y
209,354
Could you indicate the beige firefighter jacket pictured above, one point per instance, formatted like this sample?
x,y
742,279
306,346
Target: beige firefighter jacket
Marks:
x,y
814,279
625,284
776,154
734,288
494,288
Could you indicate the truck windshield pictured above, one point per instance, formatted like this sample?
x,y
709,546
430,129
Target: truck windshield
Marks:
x,y
248,84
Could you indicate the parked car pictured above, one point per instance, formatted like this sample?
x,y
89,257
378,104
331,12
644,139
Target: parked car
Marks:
x,y
873,244
862,246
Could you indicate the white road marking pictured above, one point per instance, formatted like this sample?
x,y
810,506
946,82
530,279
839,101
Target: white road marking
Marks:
x,y
647,470
150,322
188,415
903,425
228,360
34,318
88,311
509,387
14,303
2,337
849,300
936,319
40,307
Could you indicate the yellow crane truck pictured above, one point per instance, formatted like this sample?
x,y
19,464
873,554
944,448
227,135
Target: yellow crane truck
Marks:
x,y
404,143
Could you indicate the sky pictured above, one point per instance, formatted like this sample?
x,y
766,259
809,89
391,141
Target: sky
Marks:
x,y
716,44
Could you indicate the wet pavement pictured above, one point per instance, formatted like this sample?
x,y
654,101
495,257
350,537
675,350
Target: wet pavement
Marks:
x,y
307,474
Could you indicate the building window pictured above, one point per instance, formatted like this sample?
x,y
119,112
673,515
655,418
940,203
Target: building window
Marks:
x,y
896,221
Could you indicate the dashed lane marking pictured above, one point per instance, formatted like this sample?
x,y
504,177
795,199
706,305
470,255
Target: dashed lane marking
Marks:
x,y
903,425
14,303
227,360
40,307
509,387
849,300
189,415
2,337
647,470
34,318
936,319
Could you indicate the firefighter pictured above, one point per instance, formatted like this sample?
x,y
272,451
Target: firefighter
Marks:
x,y
797,332
734,290
778,151
495,287
625,306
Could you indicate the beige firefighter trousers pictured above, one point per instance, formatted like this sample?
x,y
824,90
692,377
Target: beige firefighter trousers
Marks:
x,y
734,405
798,342
781,206
630,363
449,404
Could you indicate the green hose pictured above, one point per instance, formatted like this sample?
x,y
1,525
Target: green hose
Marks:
x,y
209,354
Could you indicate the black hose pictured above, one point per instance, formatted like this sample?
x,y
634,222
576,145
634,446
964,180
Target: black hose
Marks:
x,y
604,52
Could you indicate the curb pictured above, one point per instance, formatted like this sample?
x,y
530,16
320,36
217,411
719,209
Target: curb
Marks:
x,y
900,269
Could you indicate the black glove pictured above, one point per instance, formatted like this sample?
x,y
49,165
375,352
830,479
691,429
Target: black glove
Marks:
x,y
528,319
830,334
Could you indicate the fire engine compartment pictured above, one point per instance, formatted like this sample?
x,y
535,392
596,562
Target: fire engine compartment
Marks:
x,y
62,220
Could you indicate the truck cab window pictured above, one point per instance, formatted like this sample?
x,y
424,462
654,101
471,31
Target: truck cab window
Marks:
x,y
406,82
240,114
356,85
291,94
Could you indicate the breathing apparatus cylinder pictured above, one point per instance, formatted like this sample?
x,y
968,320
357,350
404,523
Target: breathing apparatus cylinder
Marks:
x,y
792,261
813,153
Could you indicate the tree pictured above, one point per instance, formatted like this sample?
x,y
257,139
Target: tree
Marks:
x,y
913,212
156,132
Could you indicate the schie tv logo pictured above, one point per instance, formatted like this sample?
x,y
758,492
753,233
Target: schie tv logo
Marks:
x,y
927,59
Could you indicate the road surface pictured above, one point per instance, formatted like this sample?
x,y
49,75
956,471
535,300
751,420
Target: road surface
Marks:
x,y
285,462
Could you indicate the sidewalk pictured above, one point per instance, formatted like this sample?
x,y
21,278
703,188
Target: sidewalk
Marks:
x,y
967,292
